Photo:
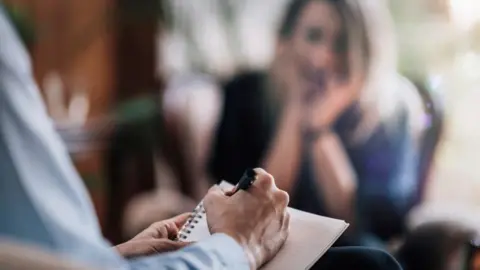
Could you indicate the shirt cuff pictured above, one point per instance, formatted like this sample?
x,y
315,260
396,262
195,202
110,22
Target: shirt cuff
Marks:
x,y
228,250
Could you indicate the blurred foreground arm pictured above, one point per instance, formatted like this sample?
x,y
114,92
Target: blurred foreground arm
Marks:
x,y
14,256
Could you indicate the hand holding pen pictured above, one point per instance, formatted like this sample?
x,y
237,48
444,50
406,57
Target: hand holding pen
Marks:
x,y
251,217
247,180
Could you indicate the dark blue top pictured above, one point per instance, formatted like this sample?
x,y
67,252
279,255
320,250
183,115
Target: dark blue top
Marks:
x,y
385,164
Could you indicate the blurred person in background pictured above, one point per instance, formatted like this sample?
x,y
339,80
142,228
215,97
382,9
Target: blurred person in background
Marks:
x,y
331,119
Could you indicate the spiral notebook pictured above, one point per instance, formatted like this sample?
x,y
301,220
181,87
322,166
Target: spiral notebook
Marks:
x,y
309,238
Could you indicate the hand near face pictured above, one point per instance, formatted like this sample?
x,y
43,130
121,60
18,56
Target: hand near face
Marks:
x,y
287,80
340,93
158,238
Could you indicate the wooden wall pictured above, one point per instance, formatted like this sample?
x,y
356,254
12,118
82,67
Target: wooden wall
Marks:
x,y
98,44
76,39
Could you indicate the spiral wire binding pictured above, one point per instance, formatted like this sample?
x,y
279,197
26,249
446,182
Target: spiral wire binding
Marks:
x,y
186,229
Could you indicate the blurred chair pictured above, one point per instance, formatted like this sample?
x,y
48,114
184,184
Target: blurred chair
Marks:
x,y
14,256
426,113
431,135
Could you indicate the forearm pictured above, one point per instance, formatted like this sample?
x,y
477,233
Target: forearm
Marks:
x,y
217,252
335,176
283,158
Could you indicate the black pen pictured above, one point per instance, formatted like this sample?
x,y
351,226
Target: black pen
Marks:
x,y
248,177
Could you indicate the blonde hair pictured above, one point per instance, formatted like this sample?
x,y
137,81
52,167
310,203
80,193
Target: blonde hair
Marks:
x,y
385,92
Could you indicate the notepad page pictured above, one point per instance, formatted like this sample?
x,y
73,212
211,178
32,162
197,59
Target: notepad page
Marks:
x,y
309,238
200,229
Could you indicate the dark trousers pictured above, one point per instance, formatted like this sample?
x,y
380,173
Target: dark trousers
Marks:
x,y
356,258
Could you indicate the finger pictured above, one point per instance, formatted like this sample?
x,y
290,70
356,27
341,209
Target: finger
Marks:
x,y
281,199
161,229
180,220
167,229
264,181
174,224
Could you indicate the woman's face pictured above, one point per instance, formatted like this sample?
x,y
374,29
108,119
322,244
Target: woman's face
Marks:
x,y
315,44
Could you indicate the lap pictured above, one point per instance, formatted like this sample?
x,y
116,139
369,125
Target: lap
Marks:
x,y
357,258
